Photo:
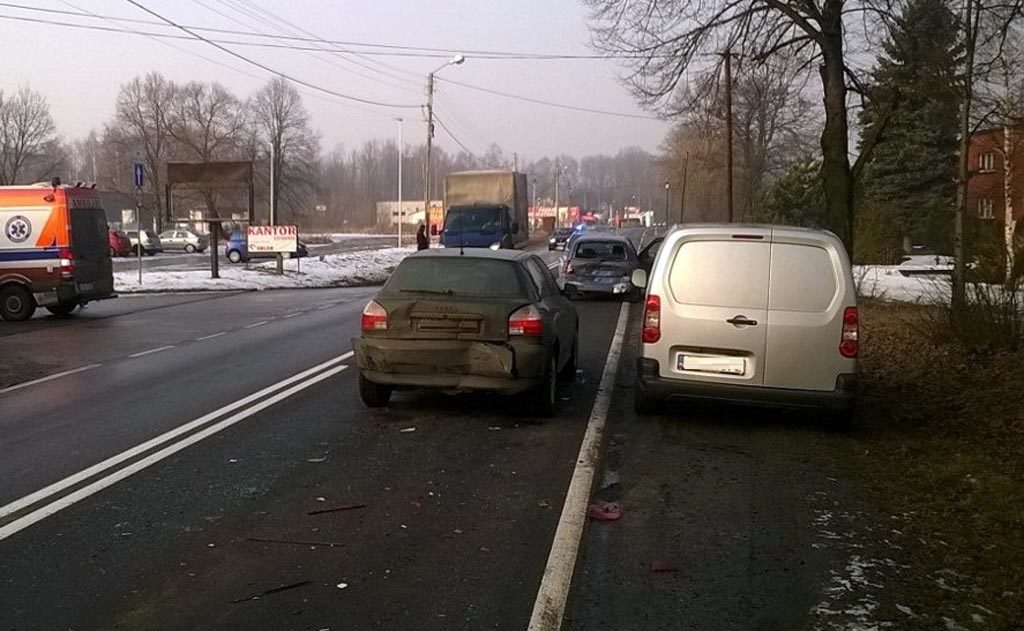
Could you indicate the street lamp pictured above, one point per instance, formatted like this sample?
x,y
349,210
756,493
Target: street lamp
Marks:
x,y
457,60
666,204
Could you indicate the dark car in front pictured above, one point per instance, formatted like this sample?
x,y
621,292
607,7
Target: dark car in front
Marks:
x,y
559,238
600,264
482,320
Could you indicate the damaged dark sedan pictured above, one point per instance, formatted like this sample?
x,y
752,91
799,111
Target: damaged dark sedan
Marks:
x,y
482,320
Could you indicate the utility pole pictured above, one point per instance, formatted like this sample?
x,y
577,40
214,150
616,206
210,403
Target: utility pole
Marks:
x,y
682,192
401,211
515,162
728,129
558,211
454,61
666,203
273,187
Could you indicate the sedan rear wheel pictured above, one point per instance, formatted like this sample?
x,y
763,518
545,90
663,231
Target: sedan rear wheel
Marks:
x,y
374,395
234,256
190,248
545,395
568,372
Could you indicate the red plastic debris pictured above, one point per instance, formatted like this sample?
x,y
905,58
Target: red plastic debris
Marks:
x,y
604,512
663,565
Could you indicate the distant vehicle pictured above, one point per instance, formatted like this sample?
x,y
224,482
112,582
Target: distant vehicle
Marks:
x,y
485,320
150,242
183,240
751,314
237,249
601,264
120,244
559,238
631,222
54,249
485,209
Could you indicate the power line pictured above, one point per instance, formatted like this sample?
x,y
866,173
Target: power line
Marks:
x,y
414,51
261,66
459,143
564,106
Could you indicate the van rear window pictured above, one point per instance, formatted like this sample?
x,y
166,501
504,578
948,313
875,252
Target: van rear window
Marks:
x,y
804,278
88,230
721,274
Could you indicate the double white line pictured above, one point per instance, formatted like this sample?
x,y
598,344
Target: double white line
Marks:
x,y
53,498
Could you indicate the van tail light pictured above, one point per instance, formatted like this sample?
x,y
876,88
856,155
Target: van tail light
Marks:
x,y
375,317
67,263
652,320
526,321
849,343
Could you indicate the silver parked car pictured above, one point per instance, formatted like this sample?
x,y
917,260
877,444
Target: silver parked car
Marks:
x,y
185,240
600,264
150,244
750,314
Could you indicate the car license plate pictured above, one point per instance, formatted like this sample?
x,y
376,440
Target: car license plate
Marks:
x,y
85,286
718,365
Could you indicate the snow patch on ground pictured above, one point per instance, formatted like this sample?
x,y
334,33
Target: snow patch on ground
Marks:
x,y
349,269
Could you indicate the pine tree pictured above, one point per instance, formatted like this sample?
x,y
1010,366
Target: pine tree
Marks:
x,y
911,175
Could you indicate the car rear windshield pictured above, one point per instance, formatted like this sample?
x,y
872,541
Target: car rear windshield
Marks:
x,y
467,276
601,250
89,231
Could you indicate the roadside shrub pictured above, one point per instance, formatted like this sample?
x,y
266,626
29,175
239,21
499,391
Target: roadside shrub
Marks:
x,y
990,320
876,239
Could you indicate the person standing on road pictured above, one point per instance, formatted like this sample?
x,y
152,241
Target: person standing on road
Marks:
x,y
422,240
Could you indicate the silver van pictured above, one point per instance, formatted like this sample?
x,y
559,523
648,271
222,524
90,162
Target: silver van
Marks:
x,y
749,314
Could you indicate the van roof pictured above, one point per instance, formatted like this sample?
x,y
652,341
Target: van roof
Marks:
x,y
739,228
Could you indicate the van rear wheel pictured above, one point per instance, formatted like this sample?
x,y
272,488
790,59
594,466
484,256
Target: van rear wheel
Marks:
x,y
16,303
62,308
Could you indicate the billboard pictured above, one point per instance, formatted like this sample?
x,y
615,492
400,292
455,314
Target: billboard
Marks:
x,y
272,238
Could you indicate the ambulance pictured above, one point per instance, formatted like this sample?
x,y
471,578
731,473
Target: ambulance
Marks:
x,y
54,250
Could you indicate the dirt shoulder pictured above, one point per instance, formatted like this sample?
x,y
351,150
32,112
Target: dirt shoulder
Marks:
x,y
938,444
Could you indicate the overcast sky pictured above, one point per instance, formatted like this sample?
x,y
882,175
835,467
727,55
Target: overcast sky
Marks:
x,y
80,71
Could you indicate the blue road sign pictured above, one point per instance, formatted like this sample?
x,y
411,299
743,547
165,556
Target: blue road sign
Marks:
x,y
138,174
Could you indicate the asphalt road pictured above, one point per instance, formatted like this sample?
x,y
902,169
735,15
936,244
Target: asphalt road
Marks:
x,y
441,510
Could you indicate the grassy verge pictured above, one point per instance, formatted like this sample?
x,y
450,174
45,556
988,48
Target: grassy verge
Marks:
x,y
941,440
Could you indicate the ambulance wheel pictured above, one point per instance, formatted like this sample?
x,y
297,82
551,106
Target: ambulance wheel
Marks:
x,y
62,309
16,303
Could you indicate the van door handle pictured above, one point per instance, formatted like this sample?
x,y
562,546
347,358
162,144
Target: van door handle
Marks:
x,y
741,321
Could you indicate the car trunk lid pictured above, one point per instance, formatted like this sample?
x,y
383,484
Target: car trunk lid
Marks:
x,y
420,316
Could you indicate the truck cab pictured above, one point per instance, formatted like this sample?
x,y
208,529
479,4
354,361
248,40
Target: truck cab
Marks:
x,y
483,226
485,209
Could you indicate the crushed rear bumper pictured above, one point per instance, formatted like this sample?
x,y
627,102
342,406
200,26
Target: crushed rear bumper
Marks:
x,y
505,368
840,399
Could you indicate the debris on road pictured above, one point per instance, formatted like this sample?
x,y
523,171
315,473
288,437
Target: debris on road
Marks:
x,y
336,509
604,512
543,504
406,430
296,542
663,565
273,590
321,499
342,585
494,429
317,460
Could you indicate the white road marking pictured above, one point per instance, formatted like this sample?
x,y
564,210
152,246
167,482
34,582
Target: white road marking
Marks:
x,y
291,315
256,324
55,375
211,336
347,355
72,498
329,305
152,350
113,461
549,607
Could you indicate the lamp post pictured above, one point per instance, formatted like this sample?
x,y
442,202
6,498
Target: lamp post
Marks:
x,y
666,203
454,61
401,152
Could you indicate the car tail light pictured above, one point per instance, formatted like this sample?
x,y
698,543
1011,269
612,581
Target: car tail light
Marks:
x,y
67,262
568,267
652,320
849,343
375,317
526,321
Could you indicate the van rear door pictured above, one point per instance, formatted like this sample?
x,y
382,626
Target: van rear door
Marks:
x,y
90,248
715,318
805,312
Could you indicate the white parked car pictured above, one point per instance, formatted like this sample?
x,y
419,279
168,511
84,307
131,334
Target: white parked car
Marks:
x,y
184,240
749,314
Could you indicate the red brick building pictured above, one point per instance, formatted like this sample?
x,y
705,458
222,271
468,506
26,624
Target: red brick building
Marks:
x,y
985,188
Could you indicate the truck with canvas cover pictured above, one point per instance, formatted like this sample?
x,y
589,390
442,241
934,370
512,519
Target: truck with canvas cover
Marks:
x,y
485,209
54,249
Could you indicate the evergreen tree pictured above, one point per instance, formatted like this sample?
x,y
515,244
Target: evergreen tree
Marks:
x,y
912,171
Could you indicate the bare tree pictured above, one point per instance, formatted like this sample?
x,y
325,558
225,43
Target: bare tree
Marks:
x,y
28,136
142,126
283,127
670,38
